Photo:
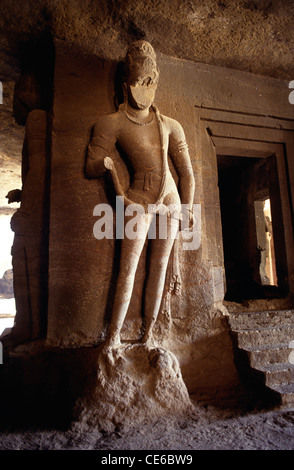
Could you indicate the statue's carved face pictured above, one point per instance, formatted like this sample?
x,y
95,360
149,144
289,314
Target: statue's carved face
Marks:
x,y
141,96
142,85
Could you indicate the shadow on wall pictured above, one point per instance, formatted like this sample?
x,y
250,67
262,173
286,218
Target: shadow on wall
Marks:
x,y
55,380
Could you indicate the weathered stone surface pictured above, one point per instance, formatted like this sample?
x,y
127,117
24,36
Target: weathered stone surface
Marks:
x,y
133,382
11,142
79,311
74,253
139,137
264,349
261,319
30,225
254,35
202,98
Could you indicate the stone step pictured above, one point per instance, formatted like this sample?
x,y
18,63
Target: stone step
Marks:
x,y
277,374
268,354
286,393
267,339
283,335
257,320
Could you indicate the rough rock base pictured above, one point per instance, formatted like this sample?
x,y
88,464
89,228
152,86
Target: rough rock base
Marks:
x,y
134,382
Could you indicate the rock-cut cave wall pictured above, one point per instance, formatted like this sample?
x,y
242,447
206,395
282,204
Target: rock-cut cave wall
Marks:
x,y
82,269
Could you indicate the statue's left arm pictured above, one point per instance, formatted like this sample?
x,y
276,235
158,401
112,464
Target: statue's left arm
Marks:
x,y
179,153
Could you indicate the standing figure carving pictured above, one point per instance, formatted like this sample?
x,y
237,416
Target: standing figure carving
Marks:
x,y
30,221
144,139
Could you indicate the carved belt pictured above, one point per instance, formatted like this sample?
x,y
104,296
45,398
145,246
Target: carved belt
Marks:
x,y
149,179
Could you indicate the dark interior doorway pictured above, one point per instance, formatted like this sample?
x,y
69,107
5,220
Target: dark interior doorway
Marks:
x,y
252,228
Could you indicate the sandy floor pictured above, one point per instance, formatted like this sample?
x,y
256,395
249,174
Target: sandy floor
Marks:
x,y
207,428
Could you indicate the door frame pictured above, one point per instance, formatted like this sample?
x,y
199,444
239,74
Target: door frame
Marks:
x,y
231,133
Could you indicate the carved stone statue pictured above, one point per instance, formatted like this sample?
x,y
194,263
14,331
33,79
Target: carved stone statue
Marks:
x,y
29,223
144,138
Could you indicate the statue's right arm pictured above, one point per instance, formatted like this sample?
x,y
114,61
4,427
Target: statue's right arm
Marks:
x,y
102,145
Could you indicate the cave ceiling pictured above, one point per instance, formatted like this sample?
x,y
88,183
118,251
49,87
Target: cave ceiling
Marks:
x,y
251,35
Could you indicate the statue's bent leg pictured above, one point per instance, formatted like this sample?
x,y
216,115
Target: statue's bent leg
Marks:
x,y
131,250
158,261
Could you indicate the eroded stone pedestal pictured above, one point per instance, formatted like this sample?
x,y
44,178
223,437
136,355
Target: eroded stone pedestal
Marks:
x,y
134,383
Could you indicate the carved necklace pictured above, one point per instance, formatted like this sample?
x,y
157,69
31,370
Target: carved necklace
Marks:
x,y
139,123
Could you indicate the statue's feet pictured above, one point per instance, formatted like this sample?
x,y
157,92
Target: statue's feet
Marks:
x,y
113,340
148,340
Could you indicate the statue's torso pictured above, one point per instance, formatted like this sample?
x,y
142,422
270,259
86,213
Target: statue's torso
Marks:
x,y
142,147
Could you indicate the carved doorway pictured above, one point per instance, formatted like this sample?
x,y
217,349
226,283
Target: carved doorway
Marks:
x,y
252,228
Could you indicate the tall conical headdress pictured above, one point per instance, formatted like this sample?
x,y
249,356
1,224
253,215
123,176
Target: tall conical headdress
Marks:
x,y
141,55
